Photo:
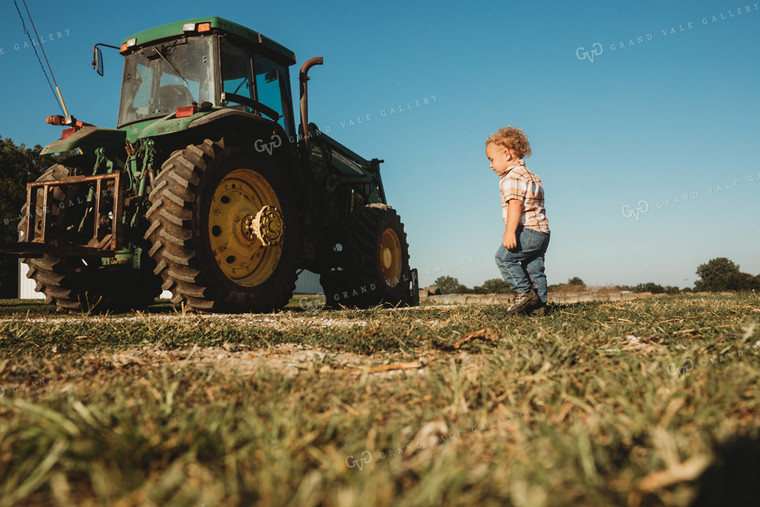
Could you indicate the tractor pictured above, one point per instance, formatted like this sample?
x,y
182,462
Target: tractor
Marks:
x,y
206,189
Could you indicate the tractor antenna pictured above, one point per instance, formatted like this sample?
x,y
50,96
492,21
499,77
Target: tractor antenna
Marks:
x,y
58,97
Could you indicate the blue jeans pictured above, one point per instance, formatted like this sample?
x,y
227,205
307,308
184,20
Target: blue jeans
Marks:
x,y
523,267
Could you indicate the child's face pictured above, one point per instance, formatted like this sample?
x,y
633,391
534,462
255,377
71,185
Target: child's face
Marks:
x,y
500,157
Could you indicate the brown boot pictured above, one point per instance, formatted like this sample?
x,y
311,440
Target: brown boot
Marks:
x,y
523,302
539,311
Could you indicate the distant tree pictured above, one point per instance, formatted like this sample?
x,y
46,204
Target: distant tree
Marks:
x,y
450,285
745,281
576,282
652,287
563,287
723,274
18,166
494,285
655,288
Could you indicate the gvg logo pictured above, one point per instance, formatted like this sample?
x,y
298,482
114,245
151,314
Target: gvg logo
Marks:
x,y
719,360
359,463
275,142
635,212
687,366
596,50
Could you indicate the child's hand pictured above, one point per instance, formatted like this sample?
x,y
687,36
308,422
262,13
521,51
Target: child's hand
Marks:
x,y
509,241
514,211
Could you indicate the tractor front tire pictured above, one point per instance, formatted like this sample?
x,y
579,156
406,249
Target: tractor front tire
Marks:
x,y
224,228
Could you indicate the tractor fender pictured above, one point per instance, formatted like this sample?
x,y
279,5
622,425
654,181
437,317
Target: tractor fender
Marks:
x,y
268,137
86,140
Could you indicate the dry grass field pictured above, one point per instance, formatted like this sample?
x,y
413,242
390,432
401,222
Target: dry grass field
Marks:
x,y
647,402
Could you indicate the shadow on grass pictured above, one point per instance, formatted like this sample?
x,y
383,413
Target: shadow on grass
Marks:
x,y
732,478
37,307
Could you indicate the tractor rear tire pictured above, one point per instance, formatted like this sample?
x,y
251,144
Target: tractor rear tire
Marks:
x,y
75,285
376,270
224,228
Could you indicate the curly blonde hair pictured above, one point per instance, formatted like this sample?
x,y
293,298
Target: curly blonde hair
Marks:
x,y
511,138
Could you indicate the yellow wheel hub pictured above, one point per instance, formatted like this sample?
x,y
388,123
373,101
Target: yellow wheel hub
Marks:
x,y
267,226
390,257
246,227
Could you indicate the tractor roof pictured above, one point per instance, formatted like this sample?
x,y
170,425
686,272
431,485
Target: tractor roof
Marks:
x,y
179,28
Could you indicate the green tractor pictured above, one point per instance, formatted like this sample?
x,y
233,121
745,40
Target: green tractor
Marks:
x,y
206,189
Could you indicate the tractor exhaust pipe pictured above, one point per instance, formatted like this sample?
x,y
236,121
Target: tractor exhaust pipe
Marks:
x,y
303,77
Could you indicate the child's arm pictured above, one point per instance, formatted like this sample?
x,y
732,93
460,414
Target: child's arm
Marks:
x,y
514,211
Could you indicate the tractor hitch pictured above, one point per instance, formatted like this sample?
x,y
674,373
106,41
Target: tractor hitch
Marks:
x,y
99,231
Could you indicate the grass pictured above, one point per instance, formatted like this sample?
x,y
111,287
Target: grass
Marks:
x,y
640,403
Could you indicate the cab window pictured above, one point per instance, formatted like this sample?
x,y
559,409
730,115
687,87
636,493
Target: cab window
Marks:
x,y
269,85
248,79
236,72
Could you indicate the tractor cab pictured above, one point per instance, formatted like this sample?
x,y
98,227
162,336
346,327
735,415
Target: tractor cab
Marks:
x,y
184,68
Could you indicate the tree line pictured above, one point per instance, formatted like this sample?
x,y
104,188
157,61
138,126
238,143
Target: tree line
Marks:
x,y
715,275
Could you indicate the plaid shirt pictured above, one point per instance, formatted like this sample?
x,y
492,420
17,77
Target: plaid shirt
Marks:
x,y
521,184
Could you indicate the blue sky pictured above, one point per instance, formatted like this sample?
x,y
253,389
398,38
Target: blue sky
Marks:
x,y
643,116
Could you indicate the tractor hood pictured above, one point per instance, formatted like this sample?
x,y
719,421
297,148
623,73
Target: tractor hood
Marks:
x,y
87,140
169,124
